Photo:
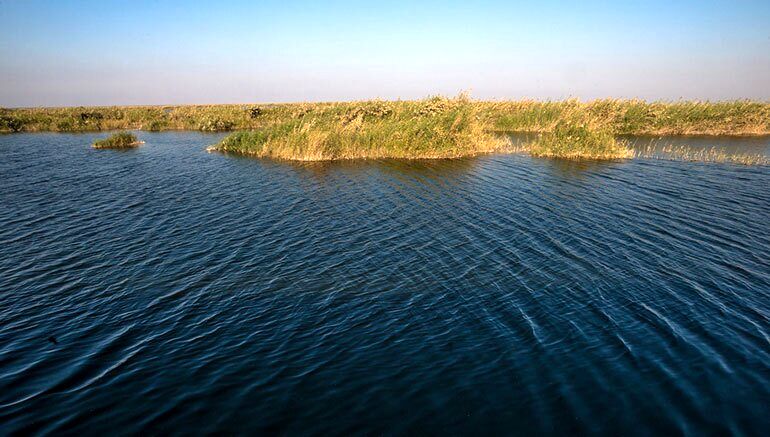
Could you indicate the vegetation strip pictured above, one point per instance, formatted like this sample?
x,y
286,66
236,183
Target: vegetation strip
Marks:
x,y
436,127
635,117
432,128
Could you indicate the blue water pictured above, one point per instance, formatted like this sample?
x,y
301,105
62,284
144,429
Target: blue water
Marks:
x,y
168,289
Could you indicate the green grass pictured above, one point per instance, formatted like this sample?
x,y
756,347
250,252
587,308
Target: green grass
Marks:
x,y
578,141
636,117
622,116
431,128
120,140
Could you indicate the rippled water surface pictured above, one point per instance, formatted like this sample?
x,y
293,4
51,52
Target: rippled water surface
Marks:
x,y
165,288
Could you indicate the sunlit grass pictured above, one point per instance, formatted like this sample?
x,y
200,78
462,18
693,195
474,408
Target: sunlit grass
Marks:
x,y
578,140
430,128
686,153
621,116
427,129
635,117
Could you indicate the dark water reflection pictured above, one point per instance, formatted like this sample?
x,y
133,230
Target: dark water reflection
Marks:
x,y
569,169
197,292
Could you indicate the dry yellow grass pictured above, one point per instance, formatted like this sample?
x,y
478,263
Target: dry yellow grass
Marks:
x,y
686,153
433,128
621,116
578,140
635,117
430,128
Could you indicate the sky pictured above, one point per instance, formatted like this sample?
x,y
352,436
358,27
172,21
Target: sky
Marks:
x,y
105,52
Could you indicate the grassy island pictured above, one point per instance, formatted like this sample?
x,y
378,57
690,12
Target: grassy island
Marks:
x,y
431,128
577,140
120,140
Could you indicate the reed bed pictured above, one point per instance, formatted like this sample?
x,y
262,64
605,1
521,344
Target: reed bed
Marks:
x,y
427,129
635,117
578,140
435,127
120,140
690,154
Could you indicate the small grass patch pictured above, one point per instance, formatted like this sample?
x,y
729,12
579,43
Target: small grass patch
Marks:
x,y
579,141
120,140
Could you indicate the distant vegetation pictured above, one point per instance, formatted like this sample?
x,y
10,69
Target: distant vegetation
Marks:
x,y
430,128
635,117
120,140
622,116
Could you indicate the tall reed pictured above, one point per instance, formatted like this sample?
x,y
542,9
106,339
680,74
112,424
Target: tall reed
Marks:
x,y
432,128
622,116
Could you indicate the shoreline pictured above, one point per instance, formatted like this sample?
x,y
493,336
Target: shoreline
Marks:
x,y
432,128
625,117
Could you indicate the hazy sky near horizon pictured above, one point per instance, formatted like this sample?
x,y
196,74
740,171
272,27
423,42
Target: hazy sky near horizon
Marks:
x,y
63,53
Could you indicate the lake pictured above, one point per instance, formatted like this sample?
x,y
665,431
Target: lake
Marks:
x,y
169,289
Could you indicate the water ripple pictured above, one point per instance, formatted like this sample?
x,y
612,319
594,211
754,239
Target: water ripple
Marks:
x,y
168,289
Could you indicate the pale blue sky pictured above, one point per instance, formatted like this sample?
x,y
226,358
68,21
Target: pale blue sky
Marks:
x,y
157,52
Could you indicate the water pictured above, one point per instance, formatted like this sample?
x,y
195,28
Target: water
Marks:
x,y
686,147
168,289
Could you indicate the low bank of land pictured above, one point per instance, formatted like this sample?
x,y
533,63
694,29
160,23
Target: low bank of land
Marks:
x,y
430,128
